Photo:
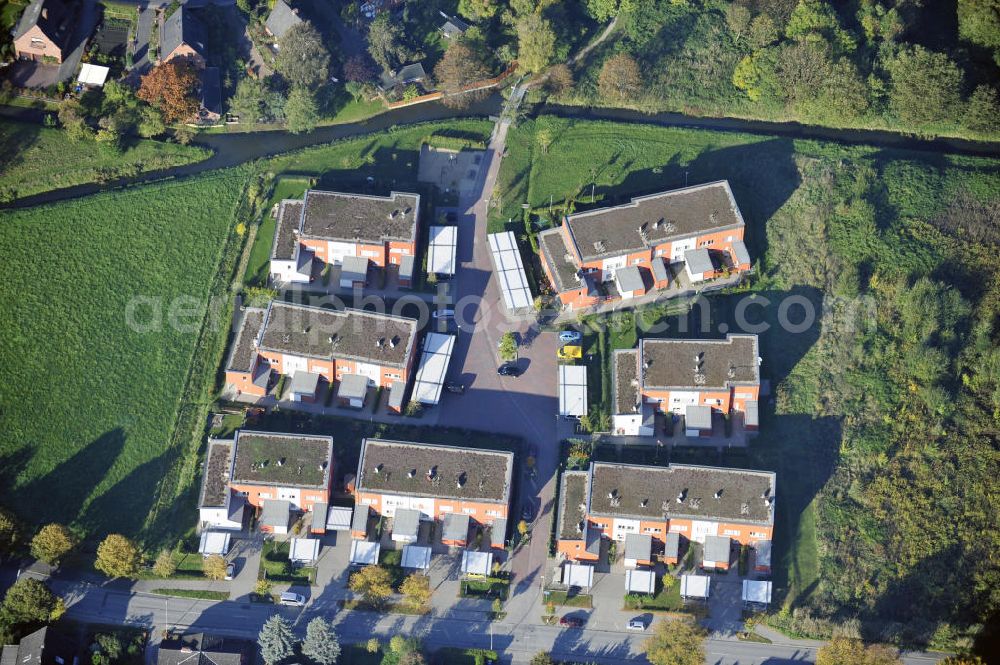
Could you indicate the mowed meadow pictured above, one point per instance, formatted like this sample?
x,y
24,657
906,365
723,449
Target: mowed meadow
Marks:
x,y
88,401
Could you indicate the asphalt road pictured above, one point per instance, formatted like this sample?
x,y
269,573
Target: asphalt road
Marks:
x,y
518,642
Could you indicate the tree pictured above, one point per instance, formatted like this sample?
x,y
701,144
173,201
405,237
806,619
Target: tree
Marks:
x,y
843,650
507,346
560,79
763,32
73,120
29,601
460,66
276,640
416,590
522,528
979,22
303,59
301,111
963,659
924,85
248,100
385,43
321,645
817,19
117,556
150,122
542,658
10,532
737,20
52,543
478,10
602,10
164,566
172,88
214,567
982,111
373,583
412,658
359,69
620,79
676,642
536,42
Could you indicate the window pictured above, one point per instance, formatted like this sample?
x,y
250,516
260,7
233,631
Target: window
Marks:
x,y
447,509
678,528
730,532
367,501
37,43
757,534
729,238
469,511
264,495
494,513
651,529
389,375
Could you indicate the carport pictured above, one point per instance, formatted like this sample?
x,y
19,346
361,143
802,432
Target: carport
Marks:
x,y
578,575
695,586
640,581
416,557
364,553
572,391
405,525
214,542
303,550
477,563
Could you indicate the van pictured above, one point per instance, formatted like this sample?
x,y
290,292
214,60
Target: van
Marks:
x,y
294,599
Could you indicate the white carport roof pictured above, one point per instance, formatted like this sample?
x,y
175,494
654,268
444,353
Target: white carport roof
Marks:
x,y
303,550
93,74
578,575
757,591
433,368
338,518
442,249
364,553
510,271
640,581
416,556
572,390
695,586
476,563
214,542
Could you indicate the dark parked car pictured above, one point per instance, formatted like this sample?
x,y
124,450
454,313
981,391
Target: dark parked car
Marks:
x,y
451,217
528,511
230,571
453,387
508,369
571,622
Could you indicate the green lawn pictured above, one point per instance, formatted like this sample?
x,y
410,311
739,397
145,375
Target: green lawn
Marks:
x,y
200,594
90,400
275,566
260,256
563,599
484,588
38,159
887,400
667,599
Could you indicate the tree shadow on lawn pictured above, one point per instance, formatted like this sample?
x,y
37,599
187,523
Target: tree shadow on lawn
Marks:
x,y
58,495
16,139
129,501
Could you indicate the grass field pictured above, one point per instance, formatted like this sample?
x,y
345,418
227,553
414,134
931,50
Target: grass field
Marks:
x,y
878,242
37,159
275,566
90,400
260,256
200,594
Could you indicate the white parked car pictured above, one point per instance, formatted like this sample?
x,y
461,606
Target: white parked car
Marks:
x,y
294,599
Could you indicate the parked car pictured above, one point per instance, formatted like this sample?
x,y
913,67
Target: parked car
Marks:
x,y
452,217
444,314
570,351
453,387
570,337
637,624
528,511
230,571
571,622
508,369
294,599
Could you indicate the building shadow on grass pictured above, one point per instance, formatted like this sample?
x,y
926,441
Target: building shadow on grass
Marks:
x,y
126,505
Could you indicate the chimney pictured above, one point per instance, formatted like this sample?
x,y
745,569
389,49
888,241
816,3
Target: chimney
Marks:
x,y
718,495
378,469
680,496
411,473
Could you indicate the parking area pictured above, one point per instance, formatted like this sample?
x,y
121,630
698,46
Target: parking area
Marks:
x,y
453,171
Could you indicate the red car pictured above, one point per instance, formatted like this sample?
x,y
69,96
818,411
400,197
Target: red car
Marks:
x,y
571,622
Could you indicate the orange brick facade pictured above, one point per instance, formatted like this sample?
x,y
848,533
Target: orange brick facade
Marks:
x,y
724,401
483,512
720,241
389,253
257,494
